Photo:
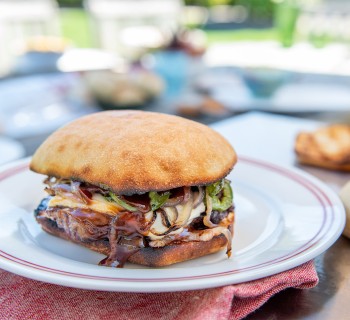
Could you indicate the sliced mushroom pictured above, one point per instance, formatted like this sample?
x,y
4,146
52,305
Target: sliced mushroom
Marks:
x,y
165,219
172,214
150,216
159,227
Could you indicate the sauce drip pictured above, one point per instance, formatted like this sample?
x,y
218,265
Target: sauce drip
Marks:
x,y
125,238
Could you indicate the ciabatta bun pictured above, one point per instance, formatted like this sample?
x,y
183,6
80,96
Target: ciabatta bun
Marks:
x,y
134,152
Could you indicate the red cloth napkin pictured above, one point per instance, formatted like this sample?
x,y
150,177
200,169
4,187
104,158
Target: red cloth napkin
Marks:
x,y
22,298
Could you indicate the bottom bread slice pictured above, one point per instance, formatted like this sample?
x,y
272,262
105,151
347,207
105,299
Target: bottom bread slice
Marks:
x,y
148,256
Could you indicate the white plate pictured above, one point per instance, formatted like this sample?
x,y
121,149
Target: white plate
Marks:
x,y
284,218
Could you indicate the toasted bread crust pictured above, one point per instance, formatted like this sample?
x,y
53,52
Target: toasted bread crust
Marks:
x,y
134,152
327,147
152,257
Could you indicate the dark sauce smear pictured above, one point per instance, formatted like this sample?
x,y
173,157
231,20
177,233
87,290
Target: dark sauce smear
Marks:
x,y
125,237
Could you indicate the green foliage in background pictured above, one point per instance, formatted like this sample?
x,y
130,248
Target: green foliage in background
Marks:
x,y
258,9
263,6
76,28
215,36
70,3
75,23
207,3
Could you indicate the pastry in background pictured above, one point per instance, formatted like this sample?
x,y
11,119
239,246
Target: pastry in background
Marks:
x,y
327,147
46,44
39,55
132,88
195,104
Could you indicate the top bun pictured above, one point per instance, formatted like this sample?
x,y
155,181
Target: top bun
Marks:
x,y
135,152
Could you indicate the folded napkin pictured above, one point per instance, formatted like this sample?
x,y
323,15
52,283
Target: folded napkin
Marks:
x,y
22,298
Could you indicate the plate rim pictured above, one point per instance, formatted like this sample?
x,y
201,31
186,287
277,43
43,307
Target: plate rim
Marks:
x,y
288,261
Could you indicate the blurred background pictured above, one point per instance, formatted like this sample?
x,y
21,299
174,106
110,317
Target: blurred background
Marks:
x,y
203,59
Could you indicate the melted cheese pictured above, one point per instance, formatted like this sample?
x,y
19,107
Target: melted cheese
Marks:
x,y
98,203
195,213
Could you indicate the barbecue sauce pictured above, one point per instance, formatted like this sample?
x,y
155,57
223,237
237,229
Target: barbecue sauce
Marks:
x,y
125,238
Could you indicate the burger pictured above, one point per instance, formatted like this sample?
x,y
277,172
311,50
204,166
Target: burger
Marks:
x,y
139,187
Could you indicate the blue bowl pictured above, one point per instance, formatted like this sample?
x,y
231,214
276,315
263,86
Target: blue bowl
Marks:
x,y
264,82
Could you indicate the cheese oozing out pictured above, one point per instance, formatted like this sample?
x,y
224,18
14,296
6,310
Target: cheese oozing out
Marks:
x,y
97,203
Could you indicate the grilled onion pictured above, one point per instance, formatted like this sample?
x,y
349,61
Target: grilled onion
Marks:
x,y
179,195
209,203
184,212
198,197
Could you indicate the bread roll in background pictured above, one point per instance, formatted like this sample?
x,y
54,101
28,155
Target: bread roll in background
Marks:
x,y
327,147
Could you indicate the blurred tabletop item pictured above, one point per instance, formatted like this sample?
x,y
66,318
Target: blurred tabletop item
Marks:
x,y
38,55
21,20
274,90
302,57
285,19
178,62
285,80
10,150
31,107
35,61
130,88
89,59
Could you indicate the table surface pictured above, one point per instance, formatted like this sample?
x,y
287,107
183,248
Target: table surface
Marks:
x,y
329,299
